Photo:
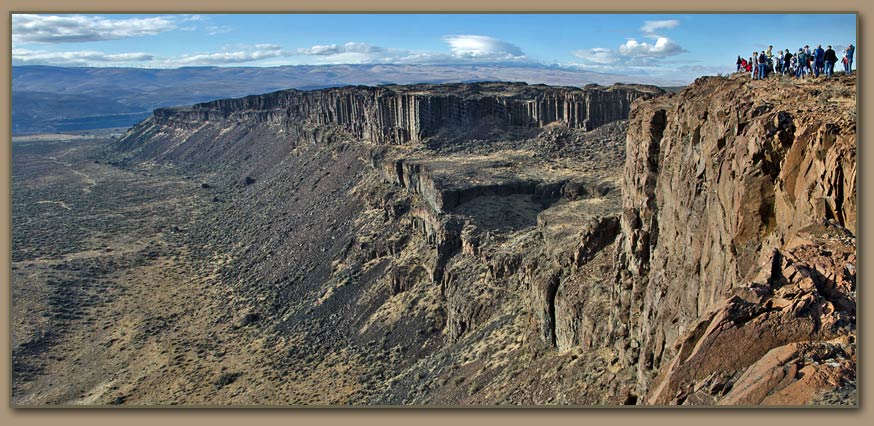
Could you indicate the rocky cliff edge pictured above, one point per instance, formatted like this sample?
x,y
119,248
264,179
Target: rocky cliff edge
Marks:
x,y
736,260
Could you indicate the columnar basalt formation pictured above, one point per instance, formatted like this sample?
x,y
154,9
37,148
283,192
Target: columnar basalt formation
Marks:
x,y
400,114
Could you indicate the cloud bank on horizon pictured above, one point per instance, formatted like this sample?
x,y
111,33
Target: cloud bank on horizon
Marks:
x,y
677,47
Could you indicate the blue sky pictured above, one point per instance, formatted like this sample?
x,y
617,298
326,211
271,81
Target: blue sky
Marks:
x,y
676,46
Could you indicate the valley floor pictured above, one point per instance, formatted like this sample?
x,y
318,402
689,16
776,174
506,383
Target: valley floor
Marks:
x,y
108,306
118,300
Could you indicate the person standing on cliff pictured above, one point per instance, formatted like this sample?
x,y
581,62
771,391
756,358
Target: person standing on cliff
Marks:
x,y
739,63
787,62
801,63
818,60
763,65
845,62
829,59
850,51
808,56
754,61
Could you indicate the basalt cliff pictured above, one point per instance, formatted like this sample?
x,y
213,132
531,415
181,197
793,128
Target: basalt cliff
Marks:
x,y
503,243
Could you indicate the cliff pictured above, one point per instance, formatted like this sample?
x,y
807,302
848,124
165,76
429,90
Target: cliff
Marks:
x,y
730,188
537,244
398,114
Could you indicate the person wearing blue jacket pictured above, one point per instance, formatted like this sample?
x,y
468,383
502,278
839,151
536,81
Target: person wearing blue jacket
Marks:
x,y
801,57
818,60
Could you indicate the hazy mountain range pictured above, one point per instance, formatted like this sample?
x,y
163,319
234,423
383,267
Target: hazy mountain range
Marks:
x,y
57,99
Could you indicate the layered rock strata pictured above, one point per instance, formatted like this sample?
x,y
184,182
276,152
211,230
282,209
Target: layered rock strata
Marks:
x,y
400,114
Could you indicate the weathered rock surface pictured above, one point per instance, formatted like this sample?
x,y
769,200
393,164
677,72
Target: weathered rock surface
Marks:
x,y
716,178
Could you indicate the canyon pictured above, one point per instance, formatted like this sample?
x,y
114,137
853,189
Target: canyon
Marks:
x,y
480,244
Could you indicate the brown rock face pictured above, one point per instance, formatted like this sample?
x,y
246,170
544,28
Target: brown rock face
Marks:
x,y
720,183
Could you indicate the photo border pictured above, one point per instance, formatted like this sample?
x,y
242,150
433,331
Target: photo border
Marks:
x,y
422,416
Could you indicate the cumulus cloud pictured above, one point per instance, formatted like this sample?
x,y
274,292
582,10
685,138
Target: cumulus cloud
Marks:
x,y
482,47
654,26
79,28
632,52
635,53
662,47
76,58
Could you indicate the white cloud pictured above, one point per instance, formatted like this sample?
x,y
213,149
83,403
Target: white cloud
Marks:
x,y
653,26
239,54
79,28
598,55
661,48
634,55
256,53
462,49
77,58
631,53
482,47
217,29
333,49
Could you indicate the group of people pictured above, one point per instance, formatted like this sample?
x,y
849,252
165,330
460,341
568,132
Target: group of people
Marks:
x,y
802,63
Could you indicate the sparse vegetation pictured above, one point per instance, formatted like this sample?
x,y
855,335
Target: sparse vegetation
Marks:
x,y
226,379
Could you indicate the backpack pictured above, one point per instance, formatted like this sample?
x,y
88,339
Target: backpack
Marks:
x,y
763,58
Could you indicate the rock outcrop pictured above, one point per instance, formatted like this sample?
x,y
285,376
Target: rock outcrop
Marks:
x,y
721,180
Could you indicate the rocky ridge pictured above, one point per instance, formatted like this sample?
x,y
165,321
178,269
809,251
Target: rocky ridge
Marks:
x,y
392,114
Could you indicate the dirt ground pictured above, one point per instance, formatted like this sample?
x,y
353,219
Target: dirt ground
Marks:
x,y
107,306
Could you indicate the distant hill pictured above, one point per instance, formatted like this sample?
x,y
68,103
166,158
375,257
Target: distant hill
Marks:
x,y
48,99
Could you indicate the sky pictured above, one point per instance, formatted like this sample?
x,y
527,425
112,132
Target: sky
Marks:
x,y
671,46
